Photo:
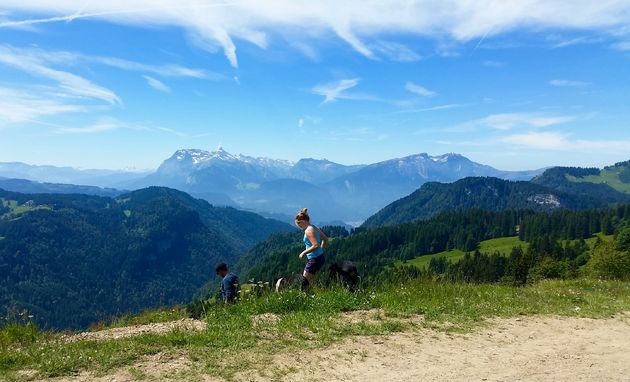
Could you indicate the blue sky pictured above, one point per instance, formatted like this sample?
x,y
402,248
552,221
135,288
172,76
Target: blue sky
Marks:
x,y
522,85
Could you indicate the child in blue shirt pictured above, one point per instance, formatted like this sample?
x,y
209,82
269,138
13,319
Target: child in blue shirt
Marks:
x,y
229,283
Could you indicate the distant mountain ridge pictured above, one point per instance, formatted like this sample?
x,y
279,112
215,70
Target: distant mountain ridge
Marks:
x,y
68,175
276,187
381,183
556,187
491,194
31,187
332,191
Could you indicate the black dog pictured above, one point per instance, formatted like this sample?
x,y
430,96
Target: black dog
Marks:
x,y
346,273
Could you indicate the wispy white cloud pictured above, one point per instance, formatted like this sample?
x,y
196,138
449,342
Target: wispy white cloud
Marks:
x,y
68,59
419,90
98,127
108,124
508,121
157,84
568,83
167,70
431,108
395,51
560,41
623,46
17,105
335,90
68,82
563,142
359,23
306,49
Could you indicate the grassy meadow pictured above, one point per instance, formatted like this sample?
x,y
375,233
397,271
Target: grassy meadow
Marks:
x,y
246,335
502,245
606,176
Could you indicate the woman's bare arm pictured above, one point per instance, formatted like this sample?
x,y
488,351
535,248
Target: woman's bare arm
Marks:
x,y
324,238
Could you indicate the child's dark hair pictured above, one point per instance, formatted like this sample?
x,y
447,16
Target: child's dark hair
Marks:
x,y
302,215
221,267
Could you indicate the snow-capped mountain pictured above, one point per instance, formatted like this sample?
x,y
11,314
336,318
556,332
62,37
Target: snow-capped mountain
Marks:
x,y
195,159
349,193
331,190
381,183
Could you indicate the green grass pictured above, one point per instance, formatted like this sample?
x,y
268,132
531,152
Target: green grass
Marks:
x,y
235,342
18,209
592,240
502,245
609,177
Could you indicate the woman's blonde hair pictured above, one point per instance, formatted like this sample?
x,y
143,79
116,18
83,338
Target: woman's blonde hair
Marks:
x,y
302,215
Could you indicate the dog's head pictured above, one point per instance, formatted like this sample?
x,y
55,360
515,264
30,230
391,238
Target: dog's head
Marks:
x,y
345,272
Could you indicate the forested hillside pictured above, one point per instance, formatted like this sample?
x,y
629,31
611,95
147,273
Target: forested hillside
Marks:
x,y
377,250
608,185
71,260
485,193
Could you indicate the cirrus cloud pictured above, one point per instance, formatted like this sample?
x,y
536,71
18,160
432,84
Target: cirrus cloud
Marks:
x,y
217,24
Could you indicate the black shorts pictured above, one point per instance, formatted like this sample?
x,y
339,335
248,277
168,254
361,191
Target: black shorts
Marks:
x,y
315,264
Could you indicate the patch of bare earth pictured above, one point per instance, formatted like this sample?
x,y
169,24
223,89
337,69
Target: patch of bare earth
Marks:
x,y
540,348
136,330
515,349
158,367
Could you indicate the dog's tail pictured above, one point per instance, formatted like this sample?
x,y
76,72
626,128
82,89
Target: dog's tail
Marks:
x,y
281,281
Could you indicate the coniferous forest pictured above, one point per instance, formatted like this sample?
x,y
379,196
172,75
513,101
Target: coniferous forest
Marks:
x,y
557,247
72,260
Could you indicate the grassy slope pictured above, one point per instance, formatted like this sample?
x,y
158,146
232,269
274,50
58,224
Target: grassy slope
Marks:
x,y
502,245
607,176
234,342
16,210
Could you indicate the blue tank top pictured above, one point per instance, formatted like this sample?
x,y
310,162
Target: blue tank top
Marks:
x,y
319,251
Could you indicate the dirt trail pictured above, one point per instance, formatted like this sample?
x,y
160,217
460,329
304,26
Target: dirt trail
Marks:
x,y
136,330
514,349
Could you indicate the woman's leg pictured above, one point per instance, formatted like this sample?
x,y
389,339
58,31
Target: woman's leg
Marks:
x,y
309,276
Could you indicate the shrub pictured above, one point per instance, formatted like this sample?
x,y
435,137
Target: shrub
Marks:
x,y
609,263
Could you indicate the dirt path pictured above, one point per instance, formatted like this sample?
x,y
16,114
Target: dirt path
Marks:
x,y
515,349
130,331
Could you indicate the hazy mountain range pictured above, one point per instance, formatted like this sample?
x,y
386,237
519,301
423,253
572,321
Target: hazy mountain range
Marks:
x,y
332,191
69,175
274,187
557,187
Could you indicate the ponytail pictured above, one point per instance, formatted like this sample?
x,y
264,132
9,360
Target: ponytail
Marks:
x,y
302,215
